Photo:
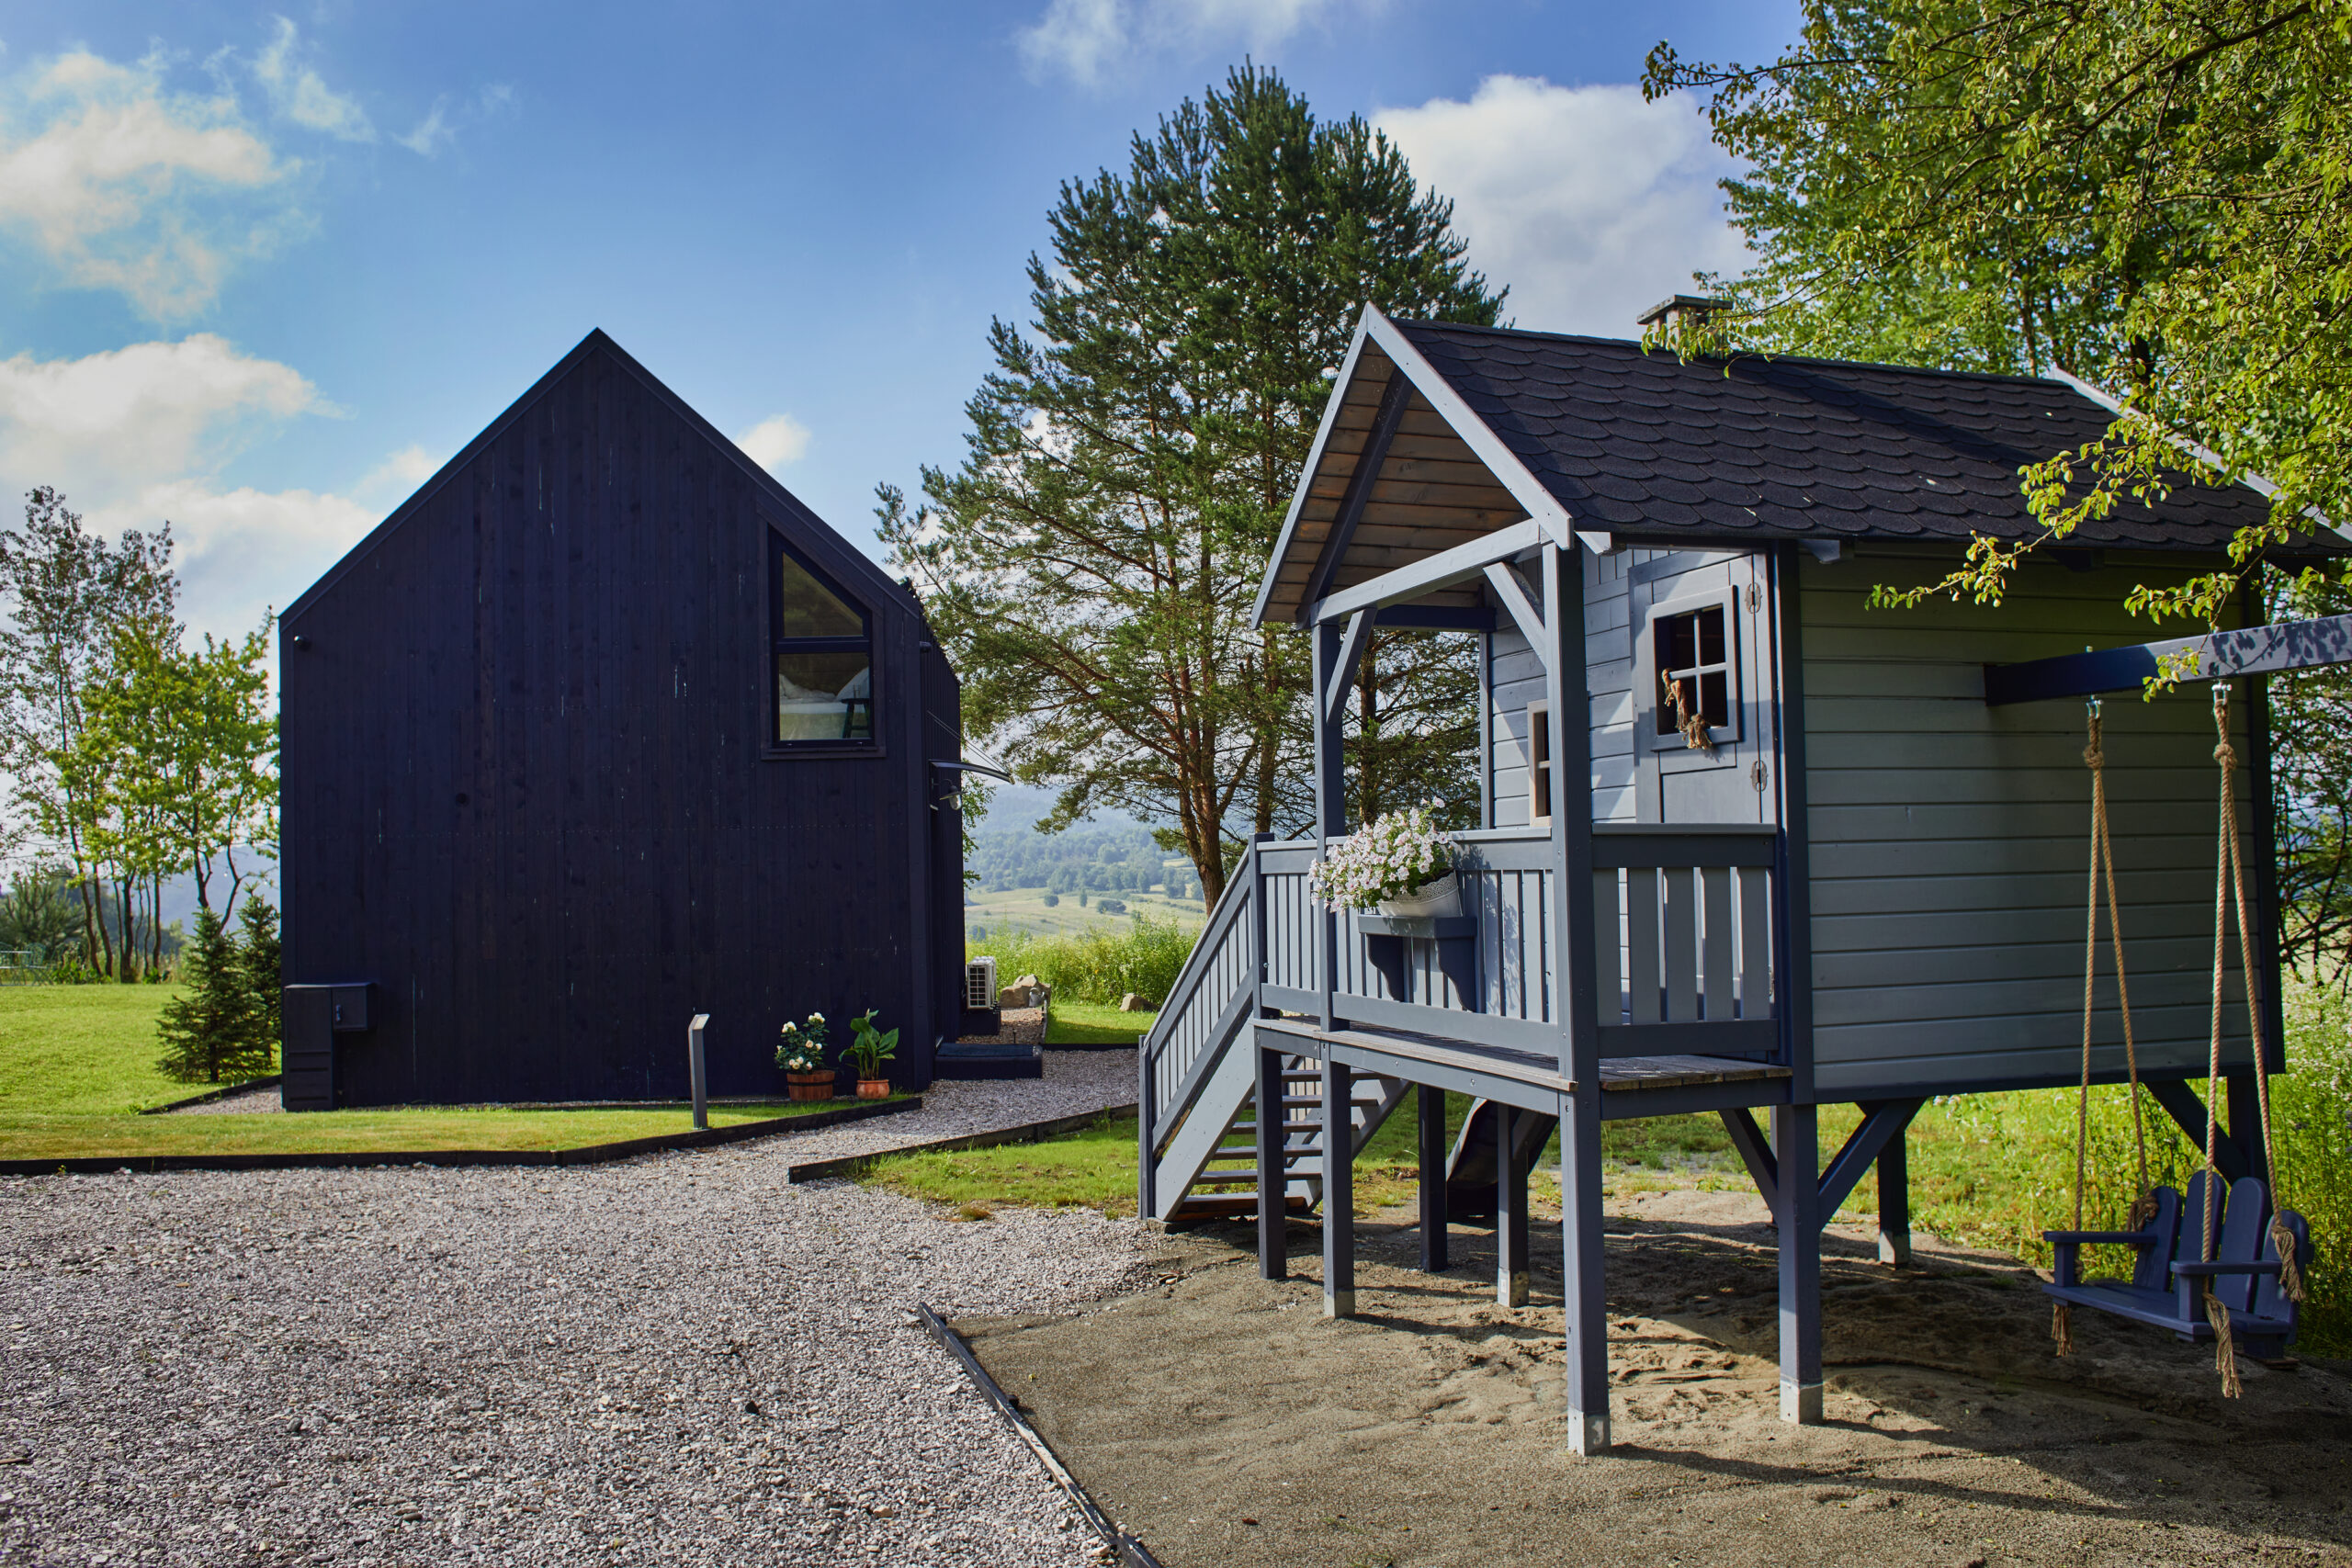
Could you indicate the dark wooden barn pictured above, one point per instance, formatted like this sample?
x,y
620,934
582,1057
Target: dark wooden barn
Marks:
x,y
601,729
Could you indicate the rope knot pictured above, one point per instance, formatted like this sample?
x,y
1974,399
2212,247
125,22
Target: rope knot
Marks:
x,y
2226,754
2093,757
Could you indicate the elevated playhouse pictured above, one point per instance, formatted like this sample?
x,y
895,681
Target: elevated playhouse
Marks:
x,y
1790,851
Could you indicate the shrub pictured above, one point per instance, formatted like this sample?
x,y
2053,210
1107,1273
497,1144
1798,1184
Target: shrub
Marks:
x,y
210,1032
1100,966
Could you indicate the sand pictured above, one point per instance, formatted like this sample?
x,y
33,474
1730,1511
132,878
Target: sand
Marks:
x,y
1223,1421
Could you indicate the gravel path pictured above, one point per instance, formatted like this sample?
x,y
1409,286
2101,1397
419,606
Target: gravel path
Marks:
x,y
1075,1081
678,1359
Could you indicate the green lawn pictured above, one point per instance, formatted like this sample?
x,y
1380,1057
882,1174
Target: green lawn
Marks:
x,y
78,1062
1092,1023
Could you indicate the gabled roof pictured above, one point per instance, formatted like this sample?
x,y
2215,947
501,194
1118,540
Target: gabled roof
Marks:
x,y
848,565
1602,436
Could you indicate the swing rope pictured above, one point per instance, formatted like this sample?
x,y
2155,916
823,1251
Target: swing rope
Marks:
x,y
2102,867
2228,890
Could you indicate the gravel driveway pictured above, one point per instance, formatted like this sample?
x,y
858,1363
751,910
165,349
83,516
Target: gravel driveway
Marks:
x,y
676,1359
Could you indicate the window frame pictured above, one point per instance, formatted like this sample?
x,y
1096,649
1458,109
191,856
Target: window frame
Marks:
x,y
1652,701
773,747
1540,750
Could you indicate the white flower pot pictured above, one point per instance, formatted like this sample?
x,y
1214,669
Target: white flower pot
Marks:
x,y
1442,897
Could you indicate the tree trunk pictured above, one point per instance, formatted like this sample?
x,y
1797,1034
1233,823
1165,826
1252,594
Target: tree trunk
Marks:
x,y
1368,801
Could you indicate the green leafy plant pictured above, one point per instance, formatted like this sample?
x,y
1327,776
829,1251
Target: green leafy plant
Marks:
x,y
872,1046
803,1050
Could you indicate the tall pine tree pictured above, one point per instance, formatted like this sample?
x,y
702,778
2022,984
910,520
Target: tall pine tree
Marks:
x,y
259,970
1093,562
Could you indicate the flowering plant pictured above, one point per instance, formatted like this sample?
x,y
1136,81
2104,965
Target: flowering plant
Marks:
x,y
872,1047
803,1050
1388,857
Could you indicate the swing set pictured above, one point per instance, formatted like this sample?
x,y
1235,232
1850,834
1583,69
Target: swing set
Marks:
x,y
2220,1264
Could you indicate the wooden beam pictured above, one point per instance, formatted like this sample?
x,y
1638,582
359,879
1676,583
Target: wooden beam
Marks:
x,y
1435,618
1339,1191
1748,1139
1341,679
1429,573
1435,1224
1797,1214
1393,398
1273,1176
1505,585
2254,650
1880,1122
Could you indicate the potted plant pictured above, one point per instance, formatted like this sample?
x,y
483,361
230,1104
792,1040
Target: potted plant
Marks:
x,y
802,1057
869,1049
1398,865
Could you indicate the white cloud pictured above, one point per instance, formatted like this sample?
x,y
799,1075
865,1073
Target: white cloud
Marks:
x,y
432,134
297,92
139,436
1589,203
122,184
122,420
399,474
1090,40
774,441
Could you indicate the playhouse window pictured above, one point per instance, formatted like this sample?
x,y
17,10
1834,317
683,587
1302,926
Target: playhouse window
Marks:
x,y
1539,762
1693,669
824,657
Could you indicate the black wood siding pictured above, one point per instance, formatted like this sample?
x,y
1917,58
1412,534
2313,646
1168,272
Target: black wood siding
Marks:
x,y
526,785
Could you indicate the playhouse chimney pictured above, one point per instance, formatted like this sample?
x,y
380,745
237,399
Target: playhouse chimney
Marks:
x,y
1679,313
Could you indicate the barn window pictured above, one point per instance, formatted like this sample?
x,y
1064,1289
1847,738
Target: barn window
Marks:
x,y
824,656
1694,665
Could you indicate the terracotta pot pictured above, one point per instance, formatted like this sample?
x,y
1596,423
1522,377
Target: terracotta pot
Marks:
x,y
874,1089
817,1084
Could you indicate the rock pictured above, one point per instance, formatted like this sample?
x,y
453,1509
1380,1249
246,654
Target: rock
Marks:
x,y
1132,1003
1015,996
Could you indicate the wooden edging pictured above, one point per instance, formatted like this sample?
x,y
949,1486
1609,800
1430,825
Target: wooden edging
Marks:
x,y
1028,1132
591,1153
209,1095
1125,1548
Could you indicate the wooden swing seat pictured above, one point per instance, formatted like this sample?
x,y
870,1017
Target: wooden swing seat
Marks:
x,y
2168,1284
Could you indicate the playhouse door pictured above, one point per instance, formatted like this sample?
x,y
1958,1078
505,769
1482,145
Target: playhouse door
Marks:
x,y
1702,705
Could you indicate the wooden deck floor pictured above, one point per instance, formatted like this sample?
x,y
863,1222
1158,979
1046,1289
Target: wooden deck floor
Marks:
x,y
1618,1074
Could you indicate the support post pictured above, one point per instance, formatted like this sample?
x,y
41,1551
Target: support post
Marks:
x,y
1797,1213
1434,1219
1510,1211
1894,1203
1339,1192
1274,1181
2245,1122
1575,981
694,1071
1330,804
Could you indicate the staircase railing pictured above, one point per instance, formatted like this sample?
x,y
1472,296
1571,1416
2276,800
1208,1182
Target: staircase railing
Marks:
x,y
1214,996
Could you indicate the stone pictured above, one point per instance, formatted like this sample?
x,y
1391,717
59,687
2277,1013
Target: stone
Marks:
x,y
1131,1003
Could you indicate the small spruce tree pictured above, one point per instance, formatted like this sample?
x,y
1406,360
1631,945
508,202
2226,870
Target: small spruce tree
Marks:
x,y
257,960
208,1030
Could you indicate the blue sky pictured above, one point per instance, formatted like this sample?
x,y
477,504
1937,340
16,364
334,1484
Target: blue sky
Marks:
x,y
268,266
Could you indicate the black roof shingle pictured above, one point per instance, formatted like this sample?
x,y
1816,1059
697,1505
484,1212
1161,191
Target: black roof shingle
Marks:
x,y
1786,448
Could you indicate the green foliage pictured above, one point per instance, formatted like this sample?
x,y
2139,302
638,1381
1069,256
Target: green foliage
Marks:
x,y
870,1047
42,914
2151,193
802,1049
1091,565
259,970
211,1032
1144,956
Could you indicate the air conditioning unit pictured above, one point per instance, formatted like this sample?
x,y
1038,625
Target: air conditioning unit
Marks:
x,y
980,984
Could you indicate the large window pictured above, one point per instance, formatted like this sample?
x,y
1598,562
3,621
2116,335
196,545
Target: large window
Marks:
x,y
824,657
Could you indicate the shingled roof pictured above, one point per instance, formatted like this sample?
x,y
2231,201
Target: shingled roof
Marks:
x,y
1750,450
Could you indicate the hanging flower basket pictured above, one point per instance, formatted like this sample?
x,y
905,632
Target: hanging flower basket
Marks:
x,y
1397,865
1441,898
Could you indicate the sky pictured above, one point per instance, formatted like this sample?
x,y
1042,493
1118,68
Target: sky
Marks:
x,y
266,268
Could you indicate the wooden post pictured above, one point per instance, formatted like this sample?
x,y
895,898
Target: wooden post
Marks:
x,y
1273,1182
1894,1203
1510,1210
694,1070
1434,1220
1797,1212
1339,1192
1330,797
1575,979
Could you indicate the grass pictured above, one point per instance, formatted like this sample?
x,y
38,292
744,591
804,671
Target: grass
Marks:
x,y
1098,965
1094,1168
1096,1024
77,1063
1018,912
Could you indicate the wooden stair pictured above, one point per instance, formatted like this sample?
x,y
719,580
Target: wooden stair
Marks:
x,y
1233,1163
